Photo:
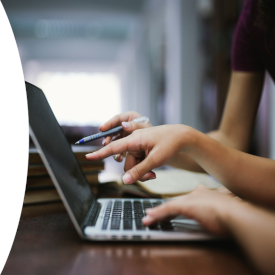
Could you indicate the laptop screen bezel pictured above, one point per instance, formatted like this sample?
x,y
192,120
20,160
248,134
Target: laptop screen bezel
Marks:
x,y
56,184
77,223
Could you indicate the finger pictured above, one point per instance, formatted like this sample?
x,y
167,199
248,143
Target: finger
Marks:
x,y
149,176
124,134
110,138
116,147
139,170
107,140
116,120
172,208
224,190
130,162
116,137
131,126
118,158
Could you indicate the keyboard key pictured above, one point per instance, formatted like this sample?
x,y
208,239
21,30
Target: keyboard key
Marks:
x,y
128,211
166,226
127,225
154,227
157,203
146,205
105,224
139,224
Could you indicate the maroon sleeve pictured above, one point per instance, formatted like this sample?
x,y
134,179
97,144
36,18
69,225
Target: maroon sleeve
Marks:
x,y
244,54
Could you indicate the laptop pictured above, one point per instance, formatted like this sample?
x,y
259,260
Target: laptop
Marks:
x,y
102,219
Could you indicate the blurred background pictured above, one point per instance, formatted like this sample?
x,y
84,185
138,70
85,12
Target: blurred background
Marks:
x,y
166,59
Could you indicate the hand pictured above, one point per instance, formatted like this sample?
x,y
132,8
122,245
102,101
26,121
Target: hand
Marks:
x,y
146,149
126,121
208,207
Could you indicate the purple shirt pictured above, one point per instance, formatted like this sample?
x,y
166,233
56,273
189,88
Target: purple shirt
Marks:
x,y
250,52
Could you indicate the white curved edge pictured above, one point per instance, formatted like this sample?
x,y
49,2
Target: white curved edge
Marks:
x,y
14,137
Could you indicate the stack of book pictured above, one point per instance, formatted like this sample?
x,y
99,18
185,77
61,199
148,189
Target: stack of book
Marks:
x,y
40,187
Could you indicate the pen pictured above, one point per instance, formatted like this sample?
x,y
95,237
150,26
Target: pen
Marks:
x,y
110,132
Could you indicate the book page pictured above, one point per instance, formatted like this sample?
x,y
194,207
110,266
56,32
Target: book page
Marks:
x,y
177,182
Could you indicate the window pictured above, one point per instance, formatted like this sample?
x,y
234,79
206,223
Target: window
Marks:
x,y
81,98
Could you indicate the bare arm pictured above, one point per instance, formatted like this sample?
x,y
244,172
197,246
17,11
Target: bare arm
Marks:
x,y
237,122
249,177
238,118
240,110
254,227
222,214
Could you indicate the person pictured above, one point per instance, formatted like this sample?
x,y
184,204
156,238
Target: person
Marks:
x,y
252,54
222,214
221,153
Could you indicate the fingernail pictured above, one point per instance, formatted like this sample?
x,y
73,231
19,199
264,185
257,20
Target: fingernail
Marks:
x,y
142,119
88,155
103,141
126,125
127,178
121,159
116,158
152,178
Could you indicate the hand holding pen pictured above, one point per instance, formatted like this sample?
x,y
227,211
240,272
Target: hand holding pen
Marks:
x,y
127,120
130,121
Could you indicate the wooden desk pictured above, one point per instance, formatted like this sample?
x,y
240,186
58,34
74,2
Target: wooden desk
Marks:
x,y
47,243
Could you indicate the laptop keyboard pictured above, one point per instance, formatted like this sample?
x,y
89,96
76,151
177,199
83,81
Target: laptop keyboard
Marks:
x,y
131,213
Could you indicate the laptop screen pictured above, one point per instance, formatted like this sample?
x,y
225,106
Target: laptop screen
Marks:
x,y
57,154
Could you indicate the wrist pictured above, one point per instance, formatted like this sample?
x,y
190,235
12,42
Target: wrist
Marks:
x,y
228,213
189,138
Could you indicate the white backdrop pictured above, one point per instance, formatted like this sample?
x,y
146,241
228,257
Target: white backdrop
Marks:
x,y
14,137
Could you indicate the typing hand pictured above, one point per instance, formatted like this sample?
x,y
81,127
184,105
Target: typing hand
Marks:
x,y
208,207
126,121
146,149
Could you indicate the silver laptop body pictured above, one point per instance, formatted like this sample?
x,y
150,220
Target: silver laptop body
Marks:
x,y
102,219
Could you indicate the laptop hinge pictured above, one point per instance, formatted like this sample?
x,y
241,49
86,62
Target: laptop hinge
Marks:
x,y
92,215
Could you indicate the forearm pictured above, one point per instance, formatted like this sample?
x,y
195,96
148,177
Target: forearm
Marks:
x,y
238,118
254,229
183,161
247,176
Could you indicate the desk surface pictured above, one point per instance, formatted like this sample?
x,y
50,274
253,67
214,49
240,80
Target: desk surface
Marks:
x,y
47,243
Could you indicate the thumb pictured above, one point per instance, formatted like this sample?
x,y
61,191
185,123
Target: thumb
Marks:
x,y
131,126
139,170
